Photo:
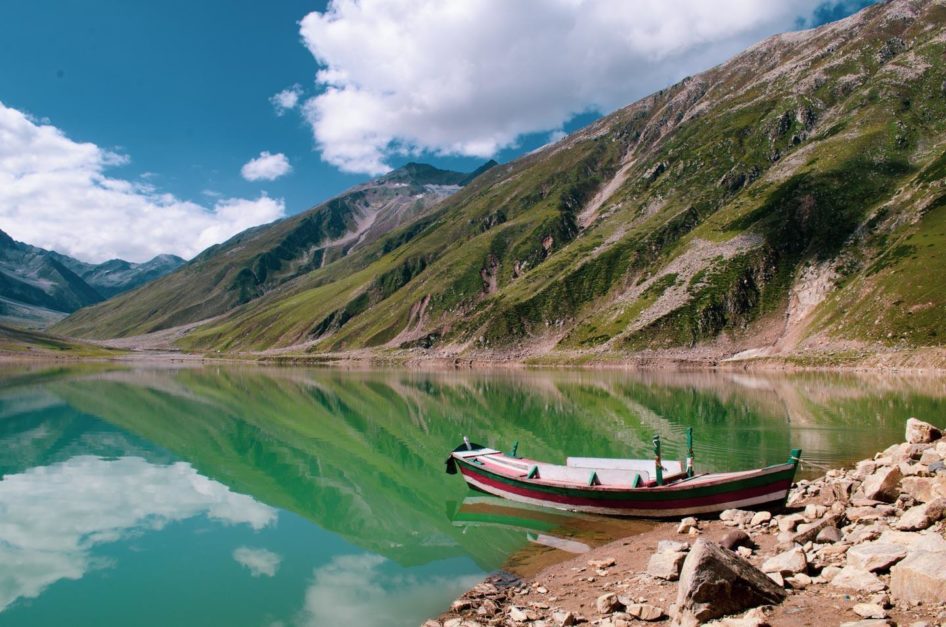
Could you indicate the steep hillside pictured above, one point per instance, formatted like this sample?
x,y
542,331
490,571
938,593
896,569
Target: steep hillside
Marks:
x,y
791,198
262,259
39,286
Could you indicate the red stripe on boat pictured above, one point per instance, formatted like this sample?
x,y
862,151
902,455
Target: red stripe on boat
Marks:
x,y
683,503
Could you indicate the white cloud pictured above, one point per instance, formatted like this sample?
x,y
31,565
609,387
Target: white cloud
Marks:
x,y
266,167
287,99
258,561
364,590
407,76
54,193
53,516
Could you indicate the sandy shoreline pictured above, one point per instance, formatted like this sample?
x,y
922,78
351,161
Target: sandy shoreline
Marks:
x,y
570,592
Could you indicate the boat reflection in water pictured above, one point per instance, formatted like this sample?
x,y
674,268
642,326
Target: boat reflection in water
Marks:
x,y
554,535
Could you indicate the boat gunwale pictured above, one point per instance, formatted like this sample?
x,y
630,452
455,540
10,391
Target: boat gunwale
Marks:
x,y
682,485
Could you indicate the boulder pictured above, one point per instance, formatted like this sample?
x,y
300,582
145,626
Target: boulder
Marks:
x,y
854,578
687,524
883,484
869,610
672,546
875,556
735,539
760,518
919,432
644,611
738,516
924,489
921,577
666,565
715,582
787,563
922,516
828,535
814,511
607,603
789,522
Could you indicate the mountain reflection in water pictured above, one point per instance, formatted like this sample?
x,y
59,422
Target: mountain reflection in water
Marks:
x,y
315,496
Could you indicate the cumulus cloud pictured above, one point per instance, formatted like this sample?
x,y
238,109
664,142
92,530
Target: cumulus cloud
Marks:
x,y
287,99
365,590
469,78
53,516
54,193
260,562
266,167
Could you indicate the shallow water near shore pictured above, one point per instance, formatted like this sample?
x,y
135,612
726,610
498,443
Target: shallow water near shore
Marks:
x,y
263,496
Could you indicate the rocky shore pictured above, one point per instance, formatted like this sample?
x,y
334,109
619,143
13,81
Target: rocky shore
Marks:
x,y
858,547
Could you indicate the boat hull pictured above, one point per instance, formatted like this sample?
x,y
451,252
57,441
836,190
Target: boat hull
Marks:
x,y
702,495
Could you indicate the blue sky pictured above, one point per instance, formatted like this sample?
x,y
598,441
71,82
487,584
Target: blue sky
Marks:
x,y
175,97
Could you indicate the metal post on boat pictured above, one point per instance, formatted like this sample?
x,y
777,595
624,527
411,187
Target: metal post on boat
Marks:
x,y
515,449
466,441
659,465
689,451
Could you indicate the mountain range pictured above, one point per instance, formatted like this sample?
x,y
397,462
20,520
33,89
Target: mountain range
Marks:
x,y
790,200
39,286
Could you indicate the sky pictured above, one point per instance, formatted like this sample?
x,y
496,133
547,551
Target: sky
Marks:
x,y
130,129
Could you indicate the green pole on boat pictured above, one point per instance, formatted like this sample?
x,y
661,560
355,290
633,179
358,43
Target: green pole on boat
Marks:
x,y
515,449
795,456
689,451
659,466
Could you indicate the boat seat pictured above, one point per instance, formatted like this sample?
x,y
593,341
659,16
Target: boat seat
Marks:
x,y
476,452
591,476
643,466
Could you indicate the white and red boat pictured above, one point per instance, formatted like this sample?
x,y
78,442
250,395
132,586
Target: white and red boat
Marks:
x,y
622,487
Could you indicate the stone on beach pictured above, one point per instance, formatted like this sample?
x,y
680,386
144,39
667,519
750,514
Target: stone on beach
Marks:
x,y
607,603
687,524
883,484
760,518
869,610
786,563
736,538
855,578
922,516
919,432
715,582
644,611
921,577
875,556
666,564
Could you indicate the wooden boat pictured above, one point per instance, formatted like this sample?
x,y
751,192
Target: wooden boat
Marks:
x,y
622,487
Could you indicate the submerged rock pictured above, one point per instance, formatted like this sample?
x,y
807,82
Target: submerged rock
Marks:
x,y
715,582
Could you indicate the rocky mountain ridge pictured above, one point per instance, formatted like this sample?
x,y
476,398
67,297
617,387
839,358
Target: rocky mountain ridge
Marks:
x,y
788,201
39,286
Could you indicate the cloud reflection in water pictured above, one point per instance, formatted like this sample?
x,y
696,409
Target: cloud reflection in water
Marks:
x,y
52,516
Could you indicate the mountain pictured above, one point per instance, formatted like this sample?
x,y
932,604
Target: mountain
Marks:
x,y
117,275
262,259
791,200
38,286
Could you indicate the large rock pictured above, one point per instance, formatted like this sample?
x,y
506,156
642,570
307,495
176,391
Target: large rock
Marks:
x,y
924,489
919,432
920,577
883,484
875,556
787,563
715,582
666,564
854,578
922,516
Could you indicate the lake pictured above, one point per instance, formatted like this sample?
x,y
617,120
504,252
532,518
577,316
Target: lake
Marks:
x,y
243,495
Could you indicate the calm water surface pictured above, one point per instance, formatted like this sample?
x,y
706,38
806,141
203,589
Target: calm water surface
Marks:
x,y
249,496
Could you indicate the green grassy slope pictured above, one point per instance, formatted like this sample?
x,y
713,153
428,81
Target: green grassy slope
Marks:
x,y
770,201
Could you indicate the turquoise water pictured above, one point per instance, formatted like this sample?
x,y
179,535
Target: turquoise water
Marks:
x,y
252,496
